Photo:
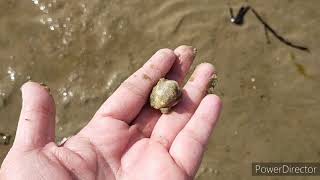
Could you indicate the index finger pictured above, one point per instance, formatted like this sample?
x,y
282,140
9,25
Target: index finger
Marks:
x,y
127,101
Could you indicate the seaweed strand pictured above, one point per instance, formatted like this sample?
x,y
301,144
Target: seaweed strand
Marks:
x,y
282,39
239,19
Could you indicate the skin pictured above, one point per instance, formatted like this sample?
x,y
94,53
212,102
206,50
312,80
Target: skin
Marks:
x,y
126,138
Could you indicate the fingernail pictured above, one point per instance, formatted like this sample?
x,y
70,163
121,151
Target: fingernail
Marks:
x,y
178,55
212,84
45,86
195,51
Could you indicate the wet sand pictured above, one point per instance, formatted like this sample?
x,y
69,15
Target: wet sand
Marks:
x,y
83,50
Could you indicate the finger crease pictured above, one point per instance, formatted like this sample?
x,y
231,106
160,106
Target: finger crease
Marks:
x,y
198,91
163,141
178,162
192,135
157,74
133,89
41,110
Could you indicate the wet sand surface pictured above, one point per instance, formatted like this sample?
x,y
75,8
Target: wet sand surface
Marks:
x,y
83,50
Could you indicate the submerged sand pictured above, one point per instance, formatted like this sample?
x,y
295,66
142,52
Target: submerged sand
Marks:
x,y
84,49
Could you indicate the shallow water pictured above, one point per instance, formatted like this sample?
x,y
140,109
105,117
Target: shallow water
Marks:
x,y
84,49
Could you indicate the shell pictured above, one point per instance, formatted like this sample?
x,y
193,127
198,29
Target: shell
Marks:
x,y
165,95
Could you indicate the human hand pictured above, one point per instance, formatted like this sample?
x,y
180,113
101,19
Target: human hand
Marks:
x,y
126,138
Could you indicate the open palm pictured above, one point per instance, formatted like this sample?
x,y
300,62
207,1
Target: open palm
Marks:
x,y
126,138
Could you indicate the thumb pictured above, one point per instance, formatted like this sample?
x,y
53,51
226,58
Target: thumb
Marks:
x,y
36,125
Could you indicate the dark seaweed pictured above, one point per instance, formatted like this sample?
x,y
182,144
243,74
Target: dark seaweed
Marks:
x,y
239,19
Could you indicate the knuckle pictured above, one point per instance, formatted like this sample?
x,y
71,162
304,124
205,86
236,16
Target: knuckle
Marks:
x,y
192,135
40,111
